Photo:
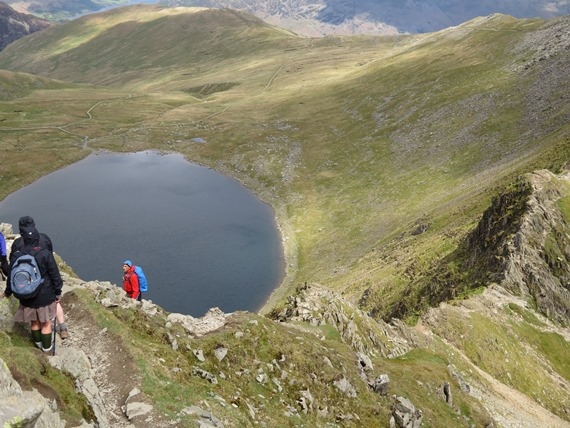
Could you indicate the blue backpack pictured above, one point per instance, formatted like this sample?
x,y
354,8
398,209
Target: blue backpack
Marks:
x,y
143,284
25,276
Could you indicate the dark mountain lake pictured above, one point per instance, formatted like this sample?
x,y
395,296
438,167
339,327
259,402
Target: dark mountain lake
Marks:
x,y
202,238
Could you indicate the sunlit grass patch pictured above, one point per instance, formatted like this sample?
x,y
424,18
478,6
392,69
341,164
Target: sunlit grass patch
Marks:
x,y
552,345
512,352
419,373
527,315
564,205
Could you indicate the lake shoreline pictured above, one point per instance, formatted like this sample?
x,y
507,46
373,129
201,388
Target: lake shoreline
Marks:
x,y
239,247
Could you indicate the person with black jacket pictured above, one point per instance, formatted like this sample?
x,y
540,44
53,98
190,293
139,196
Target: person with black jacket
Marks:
x,y
39,310
45,242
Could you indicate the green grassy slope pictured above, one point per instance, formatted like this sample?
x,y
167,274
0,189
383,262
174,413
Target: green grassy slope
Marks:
x,y
268,370
147,45
379,156
355,141
17,85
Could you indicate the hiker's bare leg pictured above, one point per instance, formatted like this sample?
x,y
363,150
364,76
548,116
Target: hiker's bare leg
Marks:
x,y
36,333
64,334
59,314
45,327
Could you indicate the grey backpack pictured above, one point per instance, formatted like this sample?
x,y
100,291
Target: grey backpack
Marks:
x,y
25,276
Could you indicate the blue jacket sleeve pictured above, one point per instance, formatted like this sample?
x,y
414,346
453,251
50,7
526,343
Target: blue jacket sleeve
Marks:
x,y
4,267
2,245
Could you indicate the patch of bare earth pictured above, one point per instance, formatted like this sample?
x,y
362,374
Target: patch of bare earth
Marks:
x,y
114,370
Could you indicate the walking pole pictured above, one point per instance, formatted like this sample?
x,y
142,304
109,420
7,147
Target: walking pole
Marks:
x,y
54,334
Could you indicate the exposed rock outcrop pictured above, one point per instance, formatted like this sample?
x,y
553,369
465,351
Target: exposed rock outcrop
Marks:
x,y
523,243
538,262
20,408
405,414
318,306
14,25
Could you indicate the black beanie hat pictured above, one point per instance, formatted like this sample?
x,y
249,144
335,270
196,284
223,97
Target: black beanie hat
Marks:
x,y
30,235
26,221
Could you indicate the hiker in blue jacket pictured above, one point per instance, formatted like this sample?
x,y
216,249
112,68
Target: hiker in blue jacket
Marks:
x,y
45,242
39,310
3,256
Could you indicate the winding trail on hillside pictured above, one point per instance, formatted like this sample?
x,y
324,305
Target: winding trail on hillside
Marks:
x,y
513,409
113,369
508,406
89,115
62,128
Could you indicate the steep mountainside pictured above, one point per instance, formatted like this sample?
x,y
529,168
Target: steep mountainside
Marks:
x,y
493,359
14,25
420,183
367,138
143,43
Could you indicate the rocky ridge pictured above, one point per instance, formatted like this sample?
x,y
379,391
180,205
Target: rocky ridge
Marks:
x,y
14,25
541,273
316,18
112,390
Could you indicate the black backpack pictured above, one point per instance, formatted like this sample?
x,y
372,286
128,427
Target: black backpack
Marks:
x,y
25,275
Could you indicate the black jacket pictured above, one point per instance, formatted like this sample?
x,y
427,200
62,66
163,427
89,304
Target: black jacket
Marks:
x,y
52,285
18,244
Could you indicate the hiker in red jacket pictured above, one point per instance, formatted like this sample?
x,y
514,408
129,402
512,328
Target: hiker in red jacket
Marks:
x,y
130,280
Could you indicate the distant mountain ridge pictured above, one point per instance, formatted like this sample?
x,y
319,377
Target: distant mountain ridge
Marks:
x,y
14,25
317,18
377,17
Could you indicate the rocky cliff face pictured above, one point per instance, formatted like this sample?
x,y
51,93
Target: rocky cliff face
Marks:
x,y
14,25
537,262
523,243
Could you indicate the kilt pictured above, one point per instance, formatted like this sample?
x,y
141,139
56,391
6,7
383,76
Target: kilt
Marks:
x,y
41,314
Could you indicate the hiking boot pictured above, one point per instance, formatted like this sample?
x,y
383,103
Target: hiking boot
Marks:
x,y
48,352
64,334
